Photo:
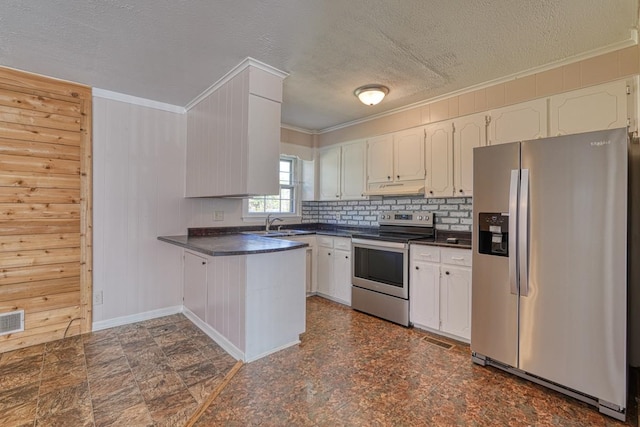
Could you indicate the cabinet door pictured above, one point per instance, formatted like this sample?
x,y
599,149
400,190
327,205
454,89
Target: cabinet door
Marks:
x,y
455,301
353,171
439,160
519,122
195,284
325,271
329,170
470,132
408,154
342,276
380,159
424,292
594,108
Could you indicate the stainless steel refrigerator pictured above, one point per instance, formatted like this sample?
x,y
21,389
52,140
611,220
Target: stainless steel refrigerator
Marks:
x,y
549,289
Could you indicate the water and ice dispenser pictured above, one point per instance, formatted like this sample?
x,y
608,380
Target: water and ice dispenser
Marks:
x,y
493,237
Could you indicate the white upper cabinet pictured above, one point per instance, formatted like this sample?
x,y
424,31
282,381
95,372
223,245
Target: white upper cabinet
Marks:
x,y
519,122
233,137
439,159
380,159
470,132
408,154
352,171
395,163
329,169
342,172
594,108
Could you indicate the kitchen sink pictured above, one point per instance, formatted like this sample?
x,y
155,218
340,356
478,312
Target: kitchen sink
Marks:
x,y
277,233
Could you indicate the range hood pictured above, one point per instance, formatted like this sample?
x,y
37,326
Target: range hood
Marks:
x,y
407,188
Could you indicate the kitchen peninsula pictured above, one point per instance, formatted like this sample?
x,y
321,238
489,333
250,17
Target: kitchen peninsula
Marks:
x,y
246,292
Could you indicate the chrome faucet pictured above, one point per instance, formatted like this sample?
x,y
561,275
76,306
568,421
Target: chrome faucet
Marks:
x,y
269,222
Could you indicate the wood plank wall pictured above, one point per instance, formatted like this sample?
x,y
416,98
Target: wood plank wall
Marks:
x,y
45,207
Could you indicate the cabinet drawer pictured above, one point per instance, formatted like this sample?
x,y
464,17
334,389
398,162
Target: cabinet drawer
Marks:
x,y
456,256
342,243
425,253
325,241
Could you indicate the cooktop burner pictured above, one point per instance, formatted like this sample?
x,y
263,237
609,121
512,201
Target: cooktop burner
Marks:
x,y
402,227
393,237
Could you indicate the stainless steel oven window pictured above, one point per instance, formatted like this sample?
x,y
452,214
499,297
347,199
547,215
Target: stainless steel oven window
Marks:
x,y
381,267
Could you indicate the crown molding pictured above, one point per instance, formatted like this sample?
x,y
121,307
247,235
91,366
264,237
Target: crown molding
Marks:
x,y
129,99
299,129
247,62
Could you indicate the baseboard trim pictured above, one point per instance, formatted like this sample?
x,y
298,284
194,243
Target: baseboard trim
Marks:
x,y
226,345
134,318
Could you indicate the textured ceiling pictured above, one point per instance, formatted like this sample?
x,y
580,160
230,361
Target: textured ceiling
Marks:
x,y
172,50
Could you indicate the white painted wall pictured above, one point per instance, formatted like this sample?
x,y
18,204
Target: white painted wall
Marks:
x,y
138,189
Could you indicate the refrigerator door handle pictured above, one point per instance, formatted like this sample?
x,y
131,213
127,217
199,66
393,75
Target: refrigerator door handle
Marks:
x,y
513,228
523,233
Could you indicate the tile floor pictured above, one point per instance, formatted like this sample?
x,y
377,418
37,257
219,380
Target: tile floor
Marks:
x,y
150,373
354,370
350,370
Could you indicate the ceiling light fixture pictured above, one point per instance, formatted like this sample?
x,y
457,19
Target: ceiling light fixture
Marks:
x,y
371,94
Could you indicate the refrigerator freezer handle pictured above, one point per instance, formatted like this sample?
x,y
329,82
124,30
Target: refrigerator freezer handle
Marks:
x,y
523,234
513,228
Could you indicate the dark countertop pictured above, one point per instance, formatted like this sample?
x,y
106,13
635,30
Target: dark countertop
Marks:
x,y
221,241
232,244
464,239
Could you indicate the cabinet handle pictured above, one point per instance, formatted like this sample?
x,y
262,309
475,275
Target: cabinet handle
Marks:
x,y
446,272
204,262
397,176
430,191
329,253
337,195
417,268
388,178
457,258
426,255
461,190
346,257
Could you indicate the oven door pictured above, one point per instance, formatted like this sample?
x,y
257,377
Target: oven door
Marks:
x,y
381,266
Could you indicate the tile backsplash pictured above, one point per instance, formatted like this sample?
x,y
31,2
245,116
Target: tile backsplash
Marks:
x,y
452,213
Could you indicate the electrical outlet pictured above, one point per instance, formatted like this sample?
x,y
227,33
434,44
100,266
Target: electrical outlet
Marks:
x,y
218,215
97,298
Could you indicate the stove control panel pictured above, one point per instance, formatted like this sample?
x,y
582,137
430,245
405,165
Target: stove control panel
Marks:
x,y
407,218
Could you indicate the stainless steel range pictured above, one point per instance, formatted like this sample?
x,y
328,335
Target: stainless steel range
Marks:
x,y
380,267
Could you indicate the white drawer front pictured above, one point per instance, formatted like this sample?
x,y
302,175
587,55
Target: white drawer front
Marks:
x,y
456,256
342,243
425,253
325,241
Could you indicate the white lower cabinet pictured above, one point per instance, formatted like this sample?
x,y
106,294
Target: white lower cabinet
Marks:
x,y
334,268
440,290
195,284
311,280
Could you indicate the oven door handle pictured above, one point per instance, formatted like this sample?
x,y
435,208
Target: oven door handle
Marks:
x,y
375,244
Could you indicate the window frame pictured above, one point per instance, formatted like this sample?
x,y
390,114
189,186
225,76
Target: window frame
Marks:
x,y
295,186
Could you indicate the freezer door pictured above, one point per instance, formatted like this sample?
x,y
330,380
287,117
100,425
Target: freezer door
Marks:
x,y
494,299
573,320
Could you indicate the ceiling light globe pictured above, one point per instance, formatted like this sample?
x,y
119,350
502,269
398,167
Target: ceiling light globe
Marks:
x,y
371,94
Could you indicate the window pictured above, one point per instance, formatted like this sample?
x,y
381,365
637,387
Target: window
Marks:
x,y
283,203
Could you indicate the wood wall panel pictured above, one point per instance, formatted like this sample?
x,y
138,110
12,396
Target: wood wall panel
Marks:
x,y
37,149
39,289
39,195
38,134
45,207
17,163
35,180
13,96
